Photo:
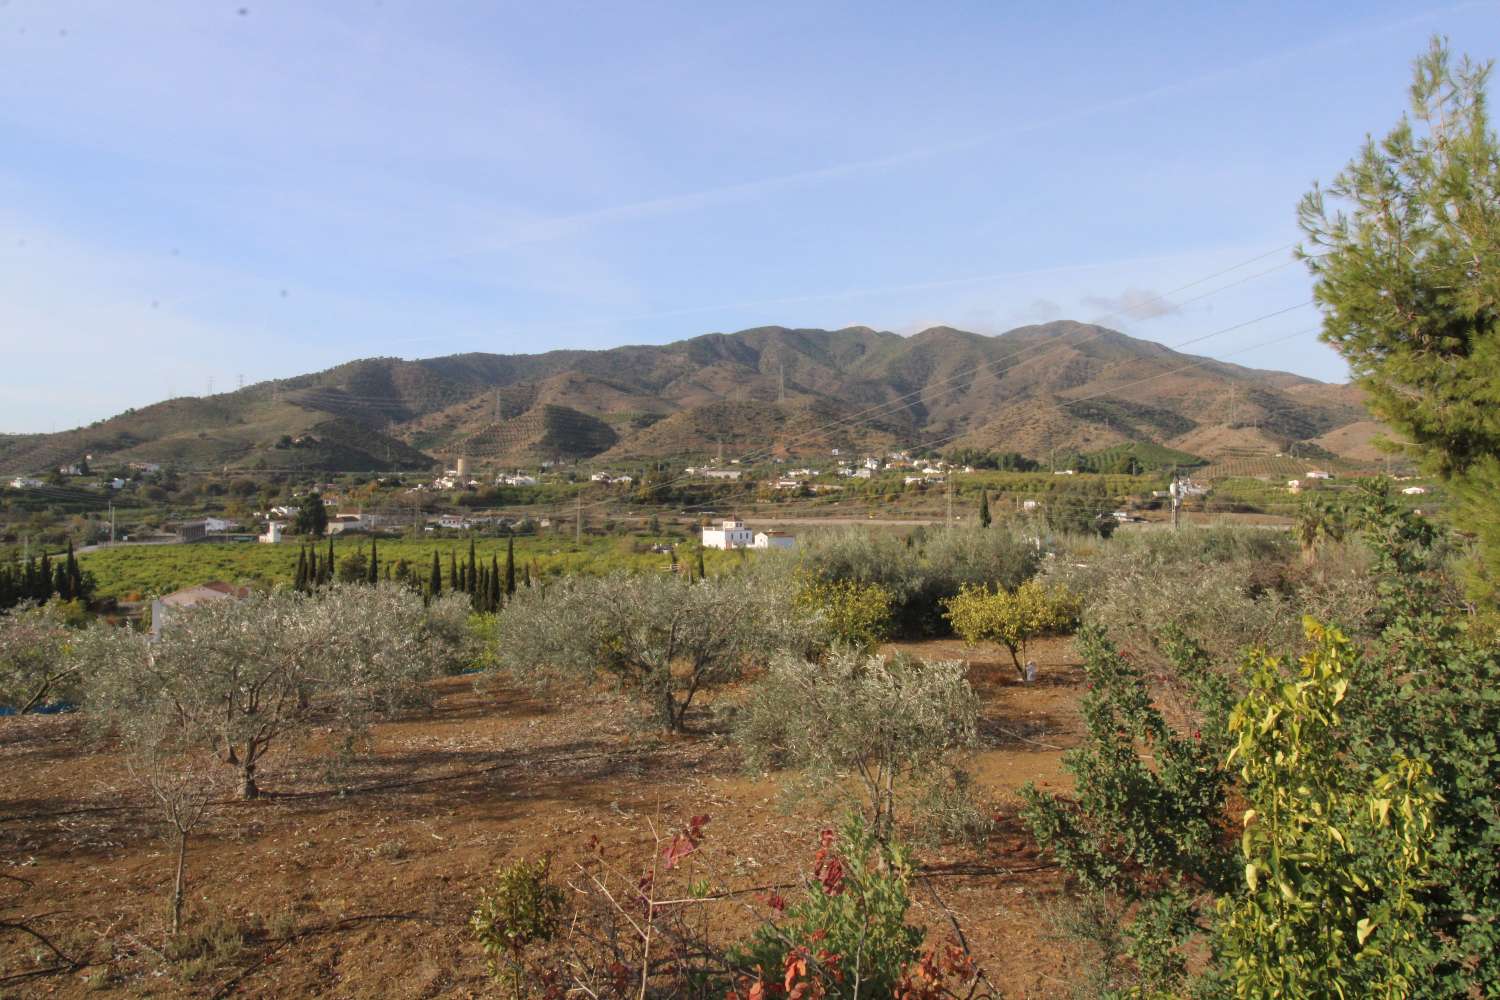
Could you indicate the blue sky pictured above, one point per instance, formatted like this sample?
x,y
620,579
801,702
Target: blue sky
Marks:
x,y
195,190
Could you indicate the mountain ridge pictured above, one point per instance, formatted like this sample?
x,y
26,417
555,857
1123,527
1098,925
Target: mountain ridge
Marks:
x,y
1060,385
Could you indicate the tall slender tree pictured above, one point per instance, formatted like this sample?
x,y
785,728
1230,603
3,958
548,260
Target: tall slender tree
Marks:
x,y
372,571
984,508
510,565
435,580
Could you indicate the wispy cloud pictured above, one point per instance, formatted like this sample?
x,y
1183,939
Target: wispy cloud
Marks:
x,y
556,227
1133,303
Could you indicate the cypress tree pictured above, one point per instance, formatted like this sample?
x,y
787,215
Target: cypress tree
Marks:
x,y
372,573
312,570
44,581
328,563
299,581
496,589
510,565
453,583
527,571
702,571
75,578
435,581
984,508
473,566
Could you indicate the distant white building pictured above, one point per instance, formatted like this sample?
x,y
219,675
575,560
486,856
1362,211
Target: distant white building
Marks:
x,y
1414,491
730,534
24,483
1318,474
518,479
720,473
455,521
272,535
774,540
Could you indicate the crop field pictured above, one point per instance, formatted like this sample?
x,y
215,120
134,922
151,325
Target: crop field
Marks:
x,y
136,572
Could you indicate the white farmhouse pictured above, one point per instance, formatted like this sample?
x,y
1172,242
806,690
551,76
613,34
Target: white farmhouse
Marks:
x,y
774,540
272,535
1414,491
730,534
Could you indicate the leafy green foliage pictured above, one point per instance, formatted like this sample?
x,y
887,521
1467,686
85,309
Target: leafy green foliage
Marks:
x,y
1012,618
852,614
847,935
1335,855
1148,803
1406,261
921,574
522,909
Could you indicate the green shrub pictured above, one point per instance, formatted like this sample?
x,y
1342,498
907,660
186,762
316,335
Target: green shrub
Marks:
x,y
852,614
1012,618
523,908
847,935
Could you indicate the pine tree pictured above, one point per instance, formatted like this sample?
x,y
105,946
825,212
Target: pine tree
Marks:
x,y
984,508
1405,258
510,565
372,572
435,580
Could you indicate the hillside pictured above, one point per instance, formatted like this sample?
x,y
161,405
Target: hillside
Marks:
x,y
1062,386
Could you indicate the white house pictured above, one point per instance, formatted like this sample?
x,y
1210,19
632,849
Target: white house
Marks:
x,y
720,473
1414,491
1318,474
272,535
774,540
730,534
24,483
455,521
518,479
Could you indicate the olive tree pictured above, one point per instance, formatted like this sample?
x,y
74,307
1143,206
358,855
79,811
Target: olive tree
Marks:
x,y
889,720
34,660
242,676
658,635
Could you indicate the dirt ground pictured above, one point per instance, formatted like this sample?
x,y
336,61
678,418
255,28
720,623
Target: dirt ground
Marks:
x,y
367,893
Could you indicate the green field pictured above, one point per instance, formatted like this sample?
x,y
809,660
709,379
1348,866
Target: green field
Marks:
x,y
143,571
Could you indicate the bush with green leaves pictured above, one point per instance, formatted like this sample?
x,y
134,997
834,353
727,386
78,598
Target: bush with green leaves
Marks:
x,y
664,638
1335,738
921,572
892,721
847,935
1012,618
524,908
1336,850
852,614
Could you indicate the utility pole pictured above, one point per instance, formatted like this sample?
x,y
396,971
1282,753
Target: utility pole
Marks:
x,y
1176,492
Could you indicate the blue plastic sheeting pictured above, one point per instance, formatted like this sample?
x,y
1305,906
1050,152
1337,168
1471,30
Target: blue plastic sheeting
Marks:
x,y
51,708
